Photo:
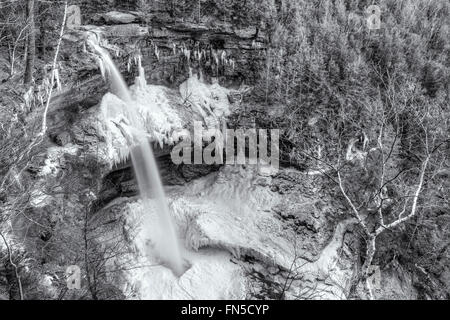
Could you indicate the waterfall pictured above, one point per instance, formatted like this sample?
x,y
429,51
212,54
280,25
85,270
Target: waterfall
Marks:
x,y
144,163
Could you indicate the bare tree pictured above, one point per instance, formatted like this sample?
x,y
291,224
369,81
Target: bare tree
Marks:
x,y
23,154
390,197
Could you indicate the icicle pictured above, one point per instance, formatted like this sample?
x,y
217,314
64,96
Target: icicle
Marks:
x,y
223,56
28,97
157,52
174,48
39,96
47,86
216,57
58,80
102,67
142,82
17,178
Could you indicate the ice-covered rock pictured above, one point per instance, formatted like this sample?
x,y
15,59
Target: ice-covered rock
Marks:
x,y
209,100
161,111
223,220
232,210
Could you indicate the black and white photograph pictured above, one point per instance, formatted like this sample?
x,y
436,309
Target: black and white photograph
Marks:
x,y
247,151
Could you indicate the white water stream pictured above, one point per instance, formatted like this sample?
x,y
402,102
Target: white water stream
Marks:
x,y
144,164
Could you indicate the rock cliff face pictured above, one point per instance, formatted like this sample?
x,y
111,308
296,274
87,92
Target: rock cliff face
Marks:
x,y
170,50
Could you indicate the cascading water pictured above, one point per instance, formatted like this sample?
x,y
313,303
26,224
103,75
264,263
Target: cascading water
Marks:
x,y
144,164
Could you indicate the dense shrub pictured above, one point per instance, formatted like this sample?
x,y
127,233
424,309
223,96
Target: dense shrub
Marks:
x,y
329,69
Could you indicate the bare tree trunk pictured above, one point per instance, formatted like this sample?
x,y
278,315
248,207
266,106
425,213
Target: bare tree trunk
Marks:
x,y
31,55
12,275
54,67
268,62
363,274
370,253
11,51
91,282
43,33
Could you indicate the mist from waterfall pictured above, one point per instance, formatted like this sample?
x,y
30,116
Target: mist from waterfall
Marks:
x,y
144,163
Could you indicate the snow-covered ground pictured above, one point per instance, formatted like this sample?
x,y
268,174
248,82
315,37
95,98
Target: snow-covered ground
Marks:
x,y
210,272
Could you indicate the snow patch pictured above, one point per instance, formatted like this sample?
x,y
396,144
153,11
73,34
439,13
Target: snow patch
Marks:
x,y
38,199
53,162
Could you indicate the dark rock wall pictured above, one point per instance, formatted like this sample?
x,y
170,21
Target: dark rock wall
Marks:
x,y
211,36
